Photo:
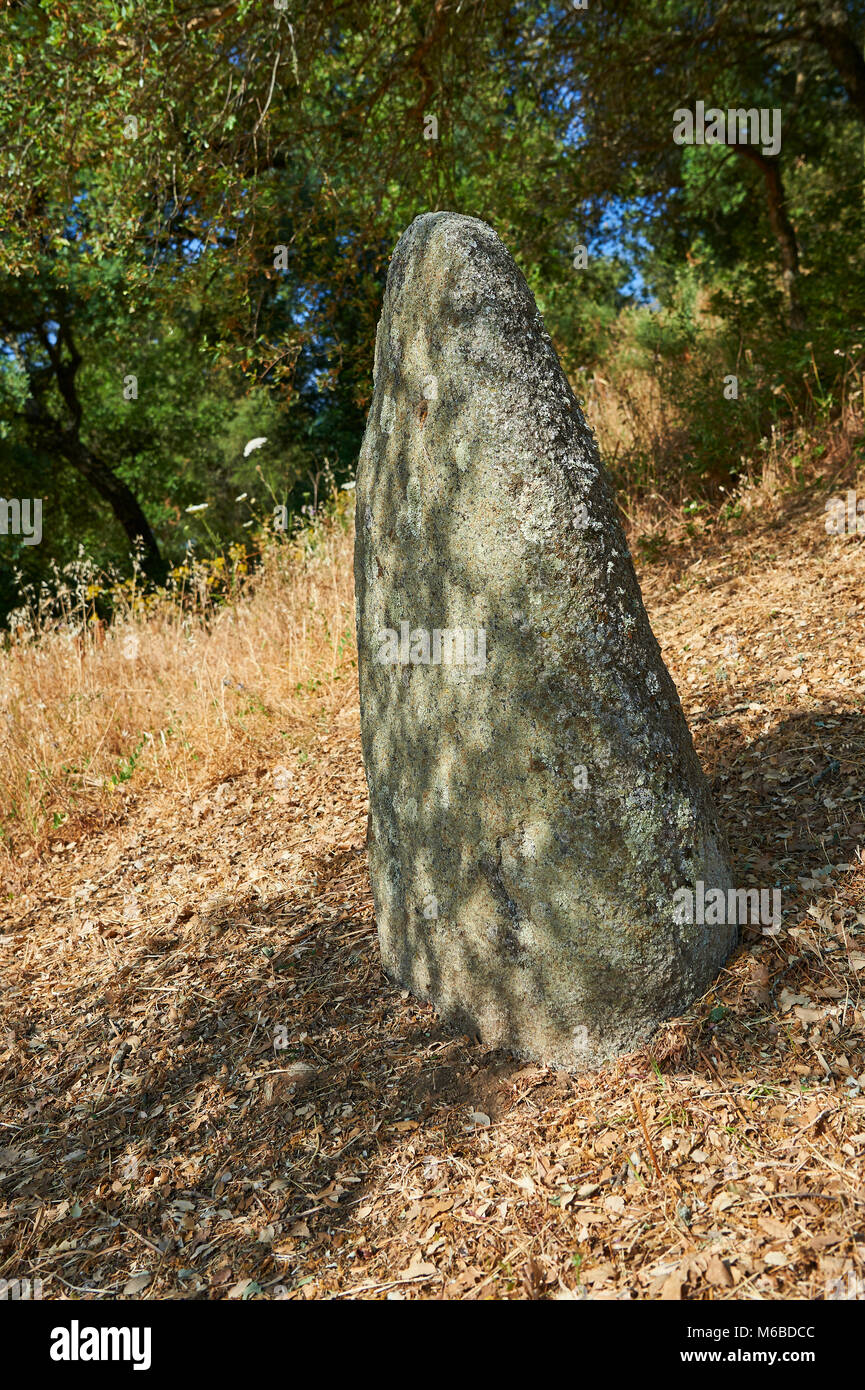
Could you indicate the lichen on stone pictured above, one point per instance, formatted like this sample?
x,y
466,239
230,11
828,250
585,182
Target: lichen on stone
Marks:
x,y
553,934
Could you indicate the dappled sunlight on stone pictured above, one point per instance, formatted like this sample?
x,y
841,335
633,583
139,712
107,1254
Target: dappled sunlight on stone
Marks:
x,y
503,644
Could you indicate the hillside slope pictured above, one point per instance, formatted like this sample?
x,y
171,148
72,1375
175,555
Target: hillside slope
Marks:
x,y
209,1090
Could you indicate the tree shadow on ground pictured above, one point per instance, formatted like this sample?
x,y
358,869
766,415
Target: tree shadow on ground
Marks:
x,y
211,1116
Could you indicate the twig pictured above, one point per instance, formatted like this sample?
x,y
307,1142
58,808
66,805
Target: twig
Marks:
x,y
130,1229
393,1284
722,1083
655,1164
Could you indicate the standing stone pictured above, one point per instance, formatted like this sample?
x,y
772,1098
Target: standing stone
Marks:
x,y
535,798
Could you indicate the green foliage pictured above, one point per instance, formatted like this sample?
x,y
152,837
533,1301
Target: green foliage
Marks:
x,y
205,197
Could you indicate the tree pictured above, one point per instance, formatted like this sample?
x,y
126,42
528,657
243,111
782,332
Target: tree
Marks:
x,y
633,66
260,168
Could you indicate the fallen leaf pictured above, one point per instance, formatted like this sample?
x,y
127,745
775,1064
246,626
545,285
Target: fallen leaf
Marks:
x,y
419,1267
136,1283
718,1273
776,1229
243,1289
787,999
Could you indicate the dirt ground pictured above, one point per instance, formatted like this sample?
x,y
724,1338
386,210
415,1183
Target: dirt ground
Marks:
x,y
209,1090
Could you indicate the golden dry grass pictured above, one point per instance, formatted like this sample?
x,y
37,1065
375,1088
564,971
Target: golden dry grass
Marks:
x,y
180,689
172,691
209,1090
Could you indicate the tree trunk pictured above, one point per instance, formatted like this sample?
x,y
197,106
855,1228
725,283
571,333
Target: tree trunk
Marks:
x,y
123,503
832,31
95,471
782,229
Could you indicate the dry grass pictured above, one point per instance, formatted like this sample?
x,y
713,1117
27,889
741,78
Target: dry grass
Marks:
x,y
796,471
631,411
644,426
174,689
181,689
209,1090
